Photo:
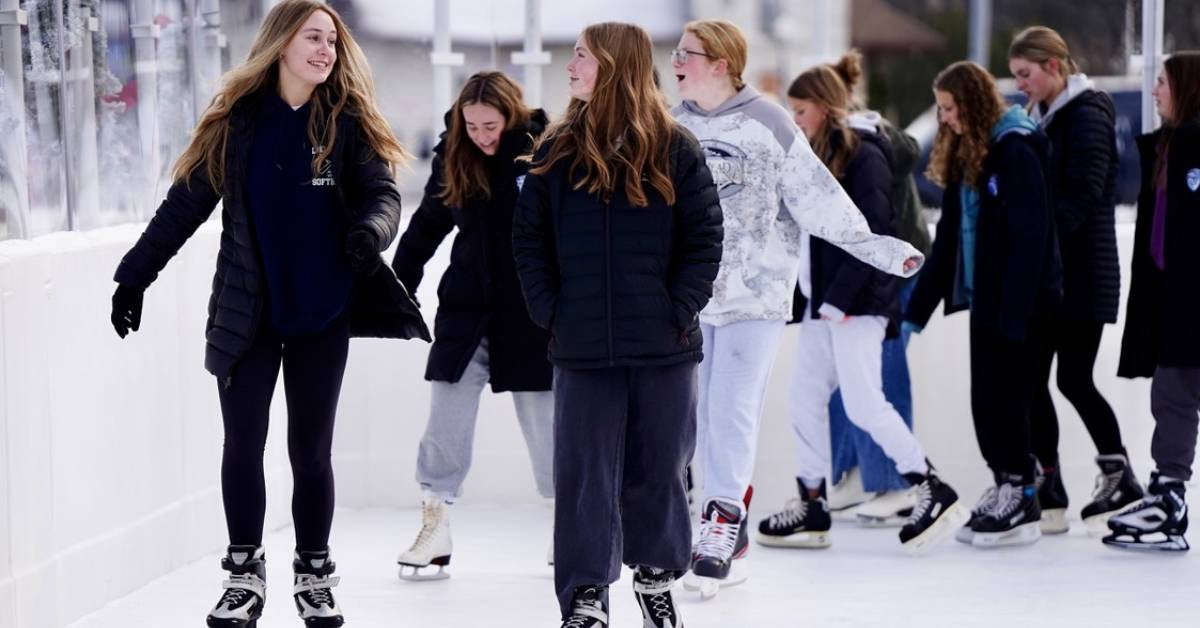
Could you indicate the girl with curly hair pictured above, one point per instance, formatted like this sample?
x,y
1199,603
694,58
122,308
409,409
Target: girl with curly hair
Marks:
x,y
995,255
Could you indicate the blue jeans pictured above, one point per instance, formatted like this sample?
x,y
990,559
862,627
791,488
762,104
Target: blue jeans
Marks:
x,y
852,447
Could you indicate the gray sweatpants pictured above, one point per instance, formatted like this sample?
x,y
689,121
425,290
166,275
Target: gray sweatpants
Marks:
x,y
445,454
1175,403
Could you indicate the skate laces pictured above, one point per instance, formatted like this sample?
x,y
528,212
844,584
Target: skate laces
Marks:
x,y
792,514
316,589
584,611
238,587
657,588
718,538
986,502
1106,485
1008,498
924,501
431,518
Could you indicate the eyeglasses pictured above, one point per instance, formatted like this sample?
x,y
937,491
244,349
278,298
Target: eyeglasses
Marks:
x,y
680,55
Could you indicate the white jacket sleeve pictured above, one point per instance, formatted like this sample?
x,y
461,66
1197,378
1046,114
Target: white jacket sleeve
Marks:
x,y
817,202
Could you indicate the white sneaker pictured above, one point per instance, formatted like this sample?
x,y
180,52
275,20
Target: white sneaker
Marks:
x,y
847,495
888,509
433,545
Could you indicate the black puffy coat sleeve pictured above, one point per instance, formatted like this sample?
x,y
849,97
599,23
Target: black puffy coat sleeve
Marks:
x,y
188,204
370,177
1027,227
535,251
428,227
698,232
1087,159
869,185
937,276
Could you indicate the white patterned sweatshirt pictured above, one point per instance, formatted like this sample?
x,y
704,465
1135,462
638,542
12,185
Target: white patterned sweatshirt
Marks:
x,y
773,189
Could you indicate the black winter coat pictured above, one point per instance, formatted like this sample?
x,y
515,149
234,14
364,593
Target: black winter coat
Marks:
x,y
378,307
479,294
839,279
619,285
1162,316
1083,176
1018,275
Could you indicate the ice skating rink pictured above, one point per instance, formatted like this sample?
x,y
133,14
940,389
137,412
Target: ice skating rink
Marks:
x,y
500,579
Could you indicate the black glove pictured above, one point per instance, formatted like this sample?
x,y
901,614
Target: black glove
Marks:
x,y
363,250
126,309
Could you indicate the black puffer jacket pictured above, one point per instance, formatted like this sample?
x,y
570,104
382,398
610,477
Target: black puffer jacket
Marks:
x,y
1018,275
479,294
619,285
1083,176
839,279
1162,317
379,306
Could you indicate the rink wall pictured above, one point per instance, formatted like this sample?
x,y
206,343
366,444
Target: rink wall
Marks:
x,y
110,448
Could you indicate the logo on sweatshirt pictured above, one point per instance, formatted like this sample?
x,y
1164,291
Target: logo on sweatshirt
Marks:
x,y
520,182
1193,179
728,166
993,186
326,177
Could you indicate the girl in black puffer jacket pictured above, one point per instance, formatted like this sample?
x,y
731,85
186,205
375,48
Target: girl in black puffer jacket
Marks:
x,y
295,148
483,332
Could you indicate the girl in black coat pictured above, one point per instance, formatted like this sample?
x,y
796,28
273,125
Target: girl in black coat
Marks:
x,y
617,239
483,332
1162,339
296,149
846,309
1080,122
995,254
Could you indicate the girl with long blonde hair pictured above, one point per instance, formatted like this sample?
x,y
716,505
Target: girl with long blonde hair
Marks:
x,y
995,255
617,238
297,152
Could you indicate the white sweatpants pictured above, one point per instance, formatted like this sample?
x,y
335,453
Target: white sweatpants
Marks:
x,y
847,354
733,383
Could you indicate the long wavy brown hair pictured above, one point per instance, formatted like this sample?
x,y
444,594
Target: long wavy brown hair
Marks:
x,y
959,158
830,87
624,130
464,171
1183,77
349,89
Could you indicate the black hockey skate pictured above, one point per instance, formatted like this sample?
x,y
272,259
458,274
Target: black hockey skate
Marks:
x,y
245,593
987,501
723,539
1157,522
935,516
314,599
589,608
652,587
803,522
1116,488
1014,519
1052,499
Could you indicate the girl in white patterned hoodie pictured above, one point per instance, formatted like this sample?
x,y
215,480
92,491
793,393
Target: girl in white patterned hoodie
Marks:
x,y
773,190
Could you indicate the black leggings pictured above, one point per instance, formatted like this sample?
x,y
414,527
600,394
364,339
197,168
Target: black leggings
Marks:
x,y
1076,343
1002,383
313,366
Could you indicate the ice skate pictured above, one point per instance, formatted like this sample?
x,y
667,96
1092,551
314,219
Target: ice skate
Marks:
x,y
653,590
1156,523
1015,518
966,533
1116,488
245,593
723,540
846,496
803,523
1052,499
589,608
432,546
935,516
887,509
312,591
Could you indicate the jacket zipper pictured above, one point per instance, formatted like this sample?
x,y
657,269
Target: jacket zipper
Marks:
x,y
608,277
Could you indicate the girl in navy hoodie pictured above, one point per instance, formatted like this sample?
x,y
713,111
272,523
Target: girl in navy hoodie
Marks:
x,y
995,254
296,150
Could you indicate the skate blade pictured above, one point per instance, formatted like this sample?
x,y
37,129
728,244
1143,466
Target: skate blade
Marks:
x,y
1097,525
868,521
416,575
708,587
800,540
964,535
951,519
849,513
1054,521
1023,534
1168,543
